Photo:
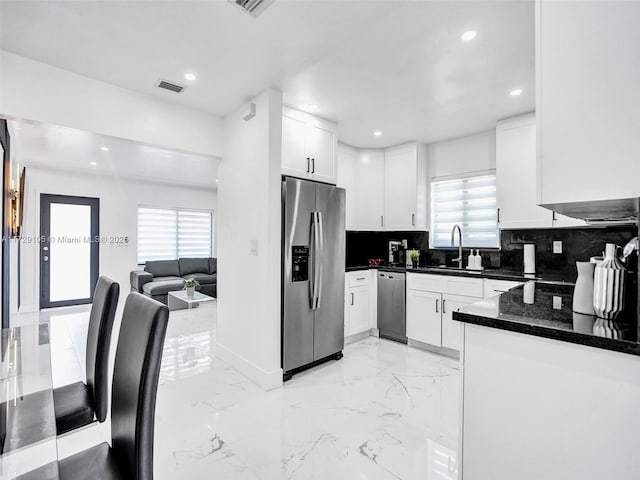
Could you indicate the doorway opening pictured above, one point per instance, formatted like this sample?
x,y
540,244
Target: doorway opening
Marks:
x,y
69,249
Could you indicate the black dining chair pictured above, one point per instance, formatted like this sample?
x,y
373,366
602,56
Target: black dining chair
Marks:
x,y
135,385
77,404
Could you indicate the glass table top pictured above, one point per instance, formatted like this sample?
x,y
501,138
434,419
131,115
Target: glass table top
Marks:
x,y
27,415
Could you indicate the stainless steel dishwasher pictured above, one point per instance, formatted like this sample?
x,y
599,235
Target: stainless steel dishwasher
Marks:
x,y
391,306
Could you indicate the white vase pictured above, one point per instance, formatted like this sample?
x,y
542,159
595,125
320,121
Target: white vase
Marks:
x,y
190,291
609,285
583,292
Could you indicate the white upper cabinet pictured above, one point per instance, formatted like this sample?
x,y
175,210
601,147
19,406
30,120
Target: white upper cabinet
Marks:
x,y
293,146
516,145
386,189
405,199
587,100
309,146
515,174
368,193
347,158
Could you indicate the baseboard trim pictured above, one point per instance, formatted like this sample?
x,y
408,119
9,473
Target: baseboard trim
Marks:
x,y
447,352
356,337
265,380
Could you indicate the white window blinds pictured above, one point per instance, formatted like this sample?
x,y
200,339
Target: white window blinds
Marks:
x,y
469,202
166,234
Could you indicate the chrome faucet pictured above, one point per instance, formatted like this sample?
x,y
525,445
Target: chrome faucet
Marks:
x,y
453,232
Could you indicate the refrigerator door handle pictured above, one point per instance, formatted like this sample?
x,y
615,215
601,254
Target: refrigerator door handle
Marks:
x,y
312,261
316,252
319,258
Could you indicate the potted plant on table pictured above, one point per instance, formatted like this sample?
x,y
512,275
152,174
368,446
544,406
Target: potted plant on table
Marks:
x,y
415,257
190,286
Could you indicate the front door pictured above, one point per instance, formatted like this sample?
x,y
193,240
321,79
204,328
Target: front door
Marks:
x,y
69,249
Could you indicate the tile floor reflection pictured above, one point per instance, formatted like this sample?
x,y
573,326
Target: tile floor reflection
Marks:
x,y
385,411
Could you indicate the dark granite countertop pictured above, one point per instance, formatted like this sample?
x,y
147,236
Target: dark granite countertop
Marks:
x,y
490,273
530,309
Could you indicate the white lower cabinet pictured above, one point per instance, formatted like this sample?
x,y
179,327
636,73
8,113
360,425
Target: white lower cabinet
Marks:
x,y
452,330
358,312
423,317
429,313
359,309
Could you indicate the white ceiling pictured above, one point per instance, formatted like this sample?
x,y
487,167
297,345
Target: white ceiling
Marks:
x,y
50,146
398,66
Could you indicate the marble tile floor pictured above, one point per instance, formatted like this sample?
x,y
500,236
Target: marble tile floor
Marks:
x,y
384,411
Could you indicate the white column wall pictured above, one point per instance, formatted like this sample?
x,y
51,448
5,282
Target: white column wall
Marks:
x,y
249,198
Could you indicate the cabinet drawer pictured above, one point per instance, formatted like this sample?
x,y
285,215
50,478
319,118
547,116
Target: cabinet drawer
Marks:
x,y
360,278
496,287
468,287
425,283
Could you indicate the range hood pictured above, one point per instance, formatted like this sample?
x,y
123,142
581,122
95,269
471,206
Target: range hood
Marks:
x,y
600,212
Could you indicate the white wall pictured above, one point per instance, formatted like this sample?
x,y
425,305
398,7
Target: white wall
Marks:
x,y
32,90
462,155
119,200
249,198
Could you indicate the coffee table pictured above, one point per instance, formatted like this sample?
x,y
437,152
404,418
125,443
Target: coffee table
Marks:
x,y
179,300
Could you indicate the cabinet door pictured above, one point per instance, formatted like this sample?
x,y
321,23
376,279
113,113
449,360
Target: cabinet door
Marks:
x,y
588,103
346,166
400,193
424,322
294,160
359,309
347,307
515,174
369,194
321,148
451,329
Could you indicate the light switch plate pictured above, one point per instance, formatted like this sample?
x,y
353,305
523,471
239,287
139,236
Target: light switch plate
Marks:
x,y
557,246
557,303
253,247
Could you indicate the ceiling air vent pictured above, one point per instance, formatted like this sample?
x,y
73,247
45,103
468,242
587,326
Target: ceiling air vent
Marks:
x,y
173,87
253,7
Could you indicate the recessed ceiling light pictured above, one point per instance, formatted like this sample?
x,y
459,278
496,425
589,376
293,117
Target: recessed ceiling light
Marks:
x,y
468,36
515,92
377,133
93,164
312,106
217,180
189,76
104,149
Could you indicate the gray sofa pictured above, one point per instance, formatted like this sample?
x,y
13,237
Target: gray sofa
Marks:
x,y
160,277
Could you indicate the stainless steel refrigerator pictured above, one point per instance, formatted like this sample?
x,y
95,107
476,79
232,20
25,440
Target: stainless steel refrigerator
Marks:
x,y
313,261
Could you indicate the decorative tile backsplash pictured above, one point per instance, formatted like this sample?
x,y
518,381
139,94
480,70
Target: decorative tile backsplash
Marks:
x,y
578,244
361,246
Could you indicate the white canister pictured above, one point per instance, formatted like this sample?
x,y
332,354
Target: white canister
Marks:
x,y
583,291
529,258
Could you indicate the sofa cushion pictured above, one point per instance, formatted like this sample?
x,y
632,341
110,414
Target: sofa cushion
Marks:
x,y
162,268
213,265
193,265
202,278
162,287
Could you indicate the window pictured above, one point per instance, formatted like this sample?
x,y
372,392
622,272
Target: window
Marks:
x,y
469,202
166,234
